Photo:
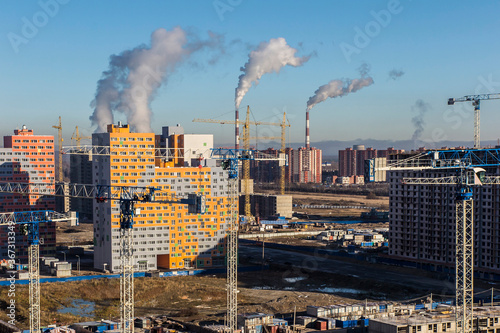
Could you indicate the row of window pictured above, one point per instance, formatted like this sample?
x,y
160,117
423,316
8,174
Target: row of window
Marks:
x,y
114,138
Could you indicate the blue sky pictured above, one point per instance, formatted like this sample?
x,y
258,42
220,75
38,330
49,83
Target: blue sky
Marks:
x,y
445,48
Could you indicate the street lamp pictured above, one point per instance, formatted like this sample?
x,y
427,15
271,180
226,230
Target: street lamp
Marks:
x,y
64,253
78,264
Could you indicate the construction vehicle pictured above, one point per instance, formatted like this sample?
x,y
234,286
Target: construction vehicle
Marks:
x,y
127,197
468,166
476,101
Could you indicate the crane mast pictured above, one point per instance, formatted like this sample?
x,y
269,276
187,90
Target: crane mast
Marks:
x,y
127,196
246,145
246,165
29,225
60,177
230,162
469,172
78,138
476,102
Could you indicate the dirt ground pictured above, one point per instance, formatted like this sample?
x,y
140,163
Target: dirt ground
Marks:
x,y
203,298
338,199
199,298
300,198
82,234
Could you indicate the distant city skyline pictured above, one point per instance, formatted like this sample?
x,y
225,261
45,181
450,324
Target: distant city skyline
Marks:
x,y
419,54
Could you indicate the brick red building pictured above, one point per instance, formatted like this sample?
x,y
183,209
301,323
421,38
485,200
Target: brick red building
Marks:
x,y
304,165
28,158
351,160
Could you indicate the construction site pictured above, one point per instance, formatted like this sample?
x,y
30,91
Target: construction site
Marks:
x,y
291,273
130,230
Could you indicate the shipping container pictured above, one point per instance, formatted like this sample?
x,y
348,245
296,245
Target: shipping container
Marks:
x,y
321,325
346,323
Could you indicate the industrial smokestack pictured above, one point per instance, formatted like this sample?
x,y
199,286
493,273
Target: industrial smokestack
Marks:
x,y
237,129
307,130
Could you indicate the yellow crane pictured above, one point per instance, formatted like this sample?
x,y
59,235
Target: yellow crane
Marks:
x,y
246,146
60,152
78,138
284,124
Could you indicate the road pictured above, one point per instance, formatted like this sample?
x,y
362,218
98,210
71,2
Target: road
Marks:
x,y
363,270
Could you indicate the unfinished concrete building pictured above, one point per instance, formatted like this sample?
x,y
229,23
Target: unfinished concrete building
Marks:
x,y
422,223
486,319
267,205
81,173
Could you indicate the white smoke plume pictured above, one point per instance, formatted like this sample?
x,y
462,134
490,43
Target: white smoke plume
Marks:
x,y
340,88
134,76
268,57
395,74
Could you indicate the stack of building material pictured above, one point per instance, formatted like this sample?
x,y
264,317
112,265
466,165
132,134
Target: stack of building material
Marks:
x,y
60,329
46,261
60,268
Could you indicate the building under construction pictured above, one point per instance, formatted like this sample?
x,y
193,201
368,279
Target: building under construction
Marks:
x,y
423,226
81,173
266,206
442,319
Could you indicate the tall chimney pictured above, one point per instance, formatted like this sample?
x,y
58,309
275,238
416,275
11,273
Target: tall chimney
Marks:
x,y
237,129
307,130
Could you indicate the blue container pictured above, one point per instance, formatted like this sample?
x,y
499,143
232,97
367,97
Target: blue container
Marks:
x,y
346,323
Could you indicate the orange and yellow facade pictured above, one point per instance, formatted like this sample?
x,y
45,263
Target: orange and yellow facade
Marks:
x,y
166,235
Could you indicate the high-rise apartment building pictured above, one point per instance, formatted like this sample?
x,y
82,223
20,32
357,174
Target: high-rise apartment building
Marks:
x,y
166,235
304,165
28,158
422,222
351,160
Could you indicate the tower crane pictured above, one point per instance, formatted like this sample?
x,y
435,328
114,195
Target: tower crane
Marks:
x,y
230,161
468,165
246,144
78,138
127,197
476,101
60,177
29,225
